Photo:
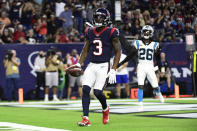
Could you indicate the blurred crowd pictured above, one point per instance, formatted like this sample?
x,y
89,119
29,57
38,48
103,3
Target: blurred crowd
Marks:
x,y
63,21
171,19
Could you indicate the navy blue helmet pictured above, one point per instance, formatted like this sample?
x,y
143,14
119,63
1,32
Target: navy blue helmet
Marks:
x,y
101,17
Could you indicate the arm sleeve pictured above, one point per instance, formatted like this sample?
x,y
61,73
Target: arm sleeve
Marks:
x,y
125,44
131,56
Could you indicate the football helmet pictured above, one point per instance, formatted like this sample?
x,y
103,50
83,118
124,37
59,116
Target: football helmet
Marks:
x,y
147,32
101,17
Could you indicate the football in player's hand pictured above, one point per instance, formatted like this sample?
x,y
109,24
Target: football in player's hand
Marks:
x,y
75,71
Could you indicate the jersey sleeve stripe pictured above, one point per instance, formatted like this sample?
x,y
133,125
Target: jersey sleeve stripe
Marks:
x,y
155,45
87,30
137,42
112,31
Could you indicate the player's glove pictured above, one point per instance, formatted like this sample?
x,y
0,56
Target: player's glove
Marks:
x,y
112,76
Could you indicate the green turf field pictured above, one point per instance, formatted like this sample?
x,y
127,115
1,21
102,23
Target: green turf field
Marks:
x,y
173,115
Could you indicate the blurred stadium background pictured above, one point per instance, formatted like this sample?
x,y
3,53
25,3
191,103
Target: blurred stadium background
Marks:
x,y
29,26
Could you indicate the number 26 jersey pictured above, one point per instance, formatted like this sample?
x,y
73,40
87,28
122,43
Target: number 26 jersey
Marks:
x,y
145,51
101,43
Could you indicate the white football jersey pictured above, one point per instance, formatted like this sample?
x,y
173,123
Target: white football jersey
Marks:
x,y
145,51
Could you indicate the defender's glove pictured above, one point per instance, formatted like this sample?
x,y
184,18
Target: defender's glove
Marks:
x,y
112,76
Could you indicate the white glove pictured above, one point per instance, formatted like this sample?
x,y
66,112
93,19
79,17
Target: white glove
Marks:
x,y
112,76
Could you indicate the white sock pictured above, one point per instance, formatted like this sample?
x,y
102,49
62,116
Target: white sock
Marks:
x,y
46,95
54,96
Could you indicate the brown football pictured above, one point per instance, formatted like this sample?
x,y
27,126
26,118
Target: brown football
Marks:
x,y
75,71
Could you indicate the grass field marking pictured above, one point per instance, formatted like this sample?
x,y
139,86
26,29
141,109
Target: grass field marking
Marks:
x,y
92,101
79,105
181,115
191,115
23,127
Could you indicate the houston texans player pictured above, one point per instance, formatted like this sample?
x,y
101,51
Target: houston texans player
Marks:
x,y
146,49
101,40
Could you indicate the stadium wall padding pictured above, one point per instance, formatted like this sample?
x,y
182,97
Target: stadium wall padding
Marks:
x,y
175,54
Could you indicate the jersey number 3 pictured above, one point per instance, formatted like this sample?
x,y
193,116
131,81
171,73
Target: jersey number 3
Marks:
x,y
99,47
146,54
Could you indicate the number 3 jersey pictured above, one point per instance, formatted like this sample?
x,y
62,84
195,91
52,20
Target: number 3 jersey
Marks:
x,y
101,43
145,51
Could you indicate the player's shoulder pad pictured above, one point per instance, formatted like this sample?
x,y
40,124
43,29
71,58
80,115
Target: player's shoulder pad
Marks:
x,y
114,31
137,43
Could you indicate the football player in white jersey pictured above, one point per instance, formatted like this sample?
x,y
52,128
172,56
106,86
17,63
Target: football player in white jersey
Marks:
x,y
145,49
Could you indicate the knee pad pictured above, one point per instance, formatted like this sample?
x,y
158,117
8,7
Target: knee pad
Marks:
x,y
97,92
86,89
141,87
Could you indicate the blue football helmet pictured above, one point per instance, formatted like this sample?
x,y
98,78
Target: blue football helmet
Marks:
x,y
101,17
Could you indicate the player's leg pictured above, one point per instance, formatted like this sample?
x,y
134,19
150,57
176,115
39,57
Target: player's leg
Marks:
x,y
151,76
141,75
88,80
100,83
118,82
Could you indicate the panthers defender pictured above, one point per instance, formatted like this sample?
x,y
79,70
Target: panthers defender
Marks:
x,y
146,48
101,40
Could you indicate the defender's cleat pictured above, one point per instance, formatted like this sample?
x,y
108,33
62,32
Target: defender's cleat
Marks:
x,y
160,97
84,122
106,115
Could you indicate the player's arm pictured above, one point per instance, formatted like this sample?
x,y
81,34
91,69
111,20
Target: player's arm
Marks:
x,y
84,52
132,54
117,52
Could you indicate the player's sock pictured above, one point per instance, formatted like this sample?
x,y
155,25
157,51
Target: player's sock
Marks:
x,y
101,97
140,95
86,100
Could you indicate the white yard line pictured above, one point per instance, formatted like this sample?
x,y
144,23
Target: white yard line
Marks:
x,y
23,127
92,101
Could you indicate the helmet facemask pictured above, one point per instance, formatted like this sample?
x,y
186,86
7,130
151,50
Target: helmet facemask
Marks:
x,y
147,32
100,18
